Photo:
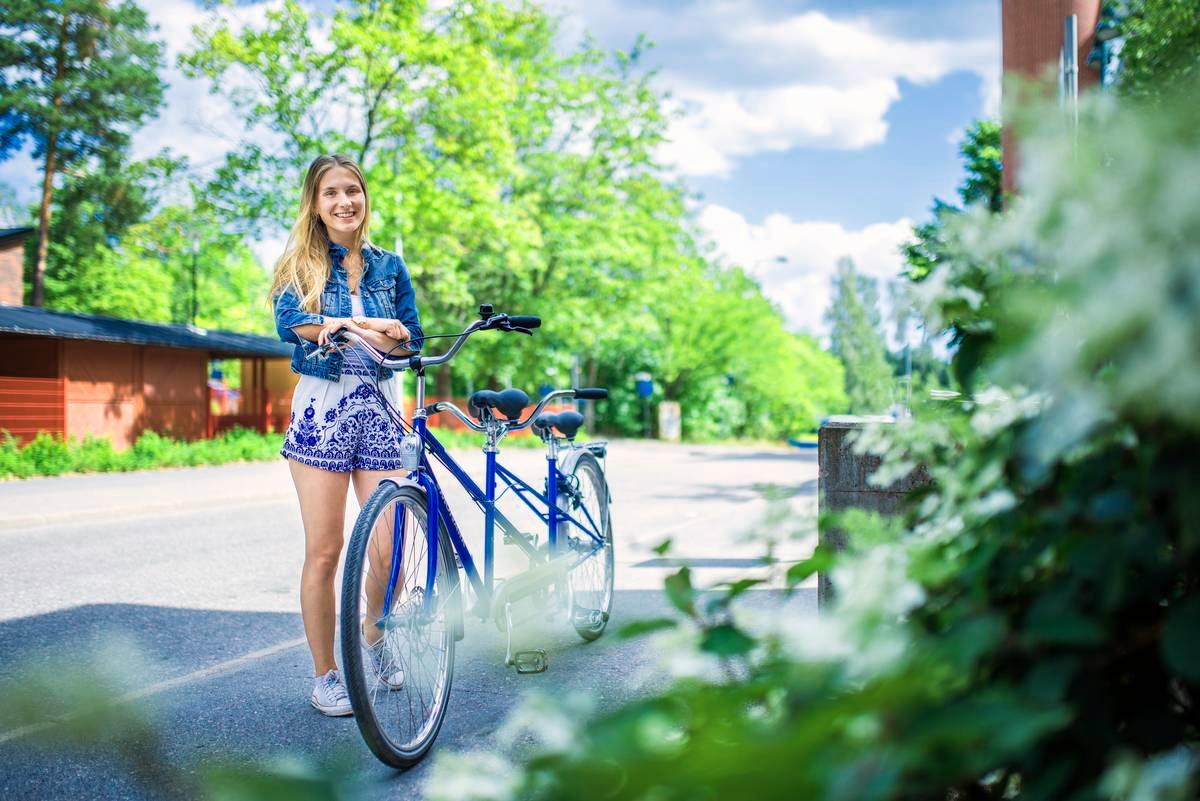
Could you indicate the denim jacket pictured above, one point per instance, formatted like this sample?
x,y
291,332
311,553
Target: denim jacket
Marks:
x,y
386,292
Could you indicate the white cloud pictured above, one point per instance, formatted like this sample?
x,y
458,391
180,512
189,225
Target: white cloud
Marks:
x,y
753,84
795,260
732,123
193,122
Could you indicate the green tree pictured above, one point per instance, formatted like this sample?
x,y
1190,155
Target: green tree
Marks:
x,y
117,249
76,77
857,340
97,204
917,361
1161,48
981,187
515,174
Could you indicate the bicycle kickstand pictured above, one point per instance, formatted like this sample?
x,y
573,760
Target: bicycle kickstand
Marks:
x,y
532,660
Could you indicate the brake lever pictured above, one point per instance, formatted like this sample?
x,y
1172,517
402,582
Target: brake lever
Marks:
x,y
507,326
323,351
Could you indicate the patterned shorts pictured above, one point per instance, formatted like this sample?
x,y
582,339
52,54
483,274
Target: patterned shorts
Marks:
x,y
342,426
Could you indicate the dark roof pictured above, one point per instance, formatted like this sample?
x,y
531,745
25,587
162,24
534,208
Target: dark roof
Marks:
x,y
35,321
24,230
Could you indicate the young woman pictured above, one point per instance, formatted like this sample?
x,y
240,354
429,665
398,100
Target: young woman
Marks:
x,y
330,276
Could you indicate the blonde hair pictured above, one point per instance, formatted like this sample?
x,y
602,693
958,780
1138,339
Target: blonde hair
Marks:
x,y
304,266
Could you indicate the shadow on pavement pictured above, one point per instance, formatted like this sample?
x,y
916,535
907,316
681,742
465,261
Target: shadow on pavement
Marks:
x,y
173,641
259,709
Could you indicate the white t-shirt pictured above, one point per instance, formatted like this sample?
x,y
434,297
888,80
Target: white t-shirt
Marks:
x,y
355,357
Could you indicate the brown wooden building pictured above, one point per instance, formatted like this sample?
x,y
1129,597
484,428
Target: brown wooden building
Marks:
x,y
81,374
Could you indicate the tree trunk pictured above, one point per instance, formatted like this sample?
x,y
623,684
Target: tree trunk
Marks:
x,y
43,244
48,169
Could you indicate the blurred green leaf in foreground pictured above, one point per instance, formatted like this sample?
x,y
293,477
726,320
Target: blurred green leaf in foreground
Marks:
x,y
1031,631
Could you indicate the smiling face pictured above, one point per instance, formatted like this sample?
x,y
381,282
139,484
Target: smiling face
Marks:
x,y
341,203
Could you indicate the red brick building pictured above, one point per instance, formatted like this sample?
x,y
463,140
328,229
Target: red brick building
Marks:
x,y
1032,32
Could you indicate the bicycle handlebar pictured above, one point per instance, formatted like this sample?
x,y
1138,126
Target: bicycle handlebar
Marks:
x,y
523,324
502,322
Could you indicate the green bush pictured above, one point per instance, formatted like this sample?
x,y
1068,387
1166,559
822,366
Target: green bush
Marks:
x,y
11,461
1029,629
95,455
51,455
47,455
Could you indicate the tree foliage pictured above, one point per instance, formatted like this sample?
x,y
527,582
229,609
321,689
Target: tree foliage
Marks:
x,y
981,192
981,187
76,77
857,339
506,169
1161,47
512,173
118,249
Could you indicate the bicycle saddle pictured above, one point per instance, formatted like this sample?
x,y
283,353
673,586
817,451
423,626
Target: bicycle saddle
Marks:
x,y
509,402
567,423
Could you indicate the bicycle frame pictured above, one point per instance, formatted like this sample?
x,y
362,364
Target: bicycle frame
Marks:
x,y
485,498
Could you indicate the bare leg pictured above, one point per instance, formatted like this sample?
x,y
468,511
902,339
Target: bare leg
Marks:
x,y
379,549
322,496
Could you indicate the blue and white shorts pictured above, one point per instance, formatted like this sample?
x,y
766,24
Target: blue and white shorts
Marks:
x,y
342,425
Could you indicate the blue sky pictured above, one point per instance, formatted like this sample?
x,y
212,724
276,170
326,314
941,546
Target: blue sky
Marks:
x,y
815,128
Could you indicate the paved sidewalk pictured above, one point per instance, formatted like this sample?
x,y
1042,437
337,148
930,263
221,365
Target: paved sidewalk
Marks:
x,y
106,496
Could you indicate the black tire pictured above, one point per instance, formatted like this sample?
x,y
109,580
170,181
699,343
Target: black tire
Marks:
x,y
399,723
590,584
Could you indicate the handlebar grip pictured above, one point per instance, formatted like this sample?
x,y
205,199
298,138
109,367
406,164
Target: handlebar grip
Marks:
x,y
522,321
591,393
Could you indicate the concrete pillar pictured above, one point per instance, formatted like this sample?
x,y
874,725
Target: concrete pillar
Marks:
x,y
842,484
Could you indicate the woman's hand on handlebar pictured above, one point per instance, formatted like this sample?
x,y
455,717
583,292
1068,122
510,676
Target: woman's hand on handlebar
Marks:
x,y
394,329
332,326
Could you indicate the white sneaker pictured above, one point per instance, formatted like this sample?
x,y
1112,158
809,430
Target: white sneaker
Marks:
x,y
329,695
385,666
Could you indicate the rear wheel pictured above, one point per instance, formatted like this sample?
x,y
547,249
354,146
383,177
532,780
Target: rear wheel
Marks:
x,y
590,584
398,644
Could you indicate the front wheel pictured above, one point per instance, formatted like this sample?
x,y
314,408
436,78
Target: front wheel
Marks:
x,y
399,619
590,583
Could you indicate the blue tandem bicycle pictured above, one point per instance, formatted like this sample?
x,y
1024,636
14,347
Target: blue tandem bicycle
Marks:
x,y
403,602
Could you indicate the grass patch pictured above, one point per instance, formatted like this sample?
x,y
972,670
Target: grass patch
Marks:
x,y
51,455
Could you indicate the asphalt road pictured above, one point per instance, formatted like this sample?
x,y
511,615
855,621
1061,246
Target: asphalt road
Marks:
x,y
196,572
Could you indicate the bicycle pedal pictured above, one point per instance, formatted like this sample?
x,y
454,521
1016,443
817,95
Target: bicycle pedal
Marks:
x,y
531,661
